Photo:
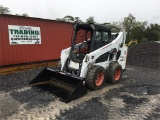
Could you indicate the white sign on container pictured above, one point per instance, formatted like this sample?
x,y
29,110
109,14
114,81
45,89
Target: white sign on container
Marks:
x,y
24,35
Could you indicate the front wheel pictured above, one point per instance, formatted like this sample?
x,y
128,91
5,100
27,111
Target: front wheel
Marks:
x,y
95,78
114,73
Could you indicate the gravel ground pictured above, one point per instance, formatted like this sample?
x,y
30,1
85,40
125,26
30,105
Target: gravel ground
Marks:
x,y
133,100
136,97
17,80
145,55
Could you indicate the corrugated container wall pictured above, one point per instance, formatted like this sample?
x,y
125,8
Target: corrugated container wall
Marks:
x,y
55,36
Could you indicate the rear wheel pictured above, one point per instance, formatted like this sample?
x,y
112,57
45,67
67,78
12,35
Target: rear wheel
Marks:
x,y
95,77
114,73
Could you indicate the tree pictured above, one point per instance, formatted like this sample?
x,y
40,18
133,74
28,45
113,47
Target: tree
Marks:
x,y
90,19
135,29
152,33
77,20
24,14
113,26
69,18
4,10
128,24
18,14
58,19
137,32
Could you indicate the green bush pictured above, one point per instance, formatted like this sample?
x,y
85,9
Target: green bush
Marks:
x,y
144,40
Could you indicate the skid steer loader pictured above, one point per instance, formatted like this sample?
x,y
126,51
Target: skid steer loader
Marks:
x,y
96,56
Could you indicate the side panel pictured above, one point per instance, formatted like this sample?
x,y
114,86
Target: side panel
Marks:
x,y
95,55
123,57
55,36
64,56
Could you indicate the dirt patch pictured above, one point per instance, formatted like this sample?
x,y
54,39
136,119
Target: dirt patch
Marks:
x,y
8,106
7,70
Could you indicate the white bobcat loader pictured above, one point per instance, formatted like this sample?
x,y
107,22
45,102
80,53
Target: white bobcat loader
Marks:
x,y
95,57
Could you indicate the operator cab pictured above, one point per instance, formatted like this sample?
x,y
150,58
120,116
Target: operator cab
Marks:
x,y
88,38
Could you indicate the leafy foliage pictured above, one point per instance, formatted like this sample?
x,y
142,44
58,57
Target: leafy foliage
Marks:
x,y
128,24
24,14
4,10
77,20
152,32
70,18
113,26
135,30
90,20
140,31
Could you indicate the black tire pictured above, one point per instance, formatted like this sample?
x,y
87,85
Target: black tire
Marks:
x,y
114,73
95,77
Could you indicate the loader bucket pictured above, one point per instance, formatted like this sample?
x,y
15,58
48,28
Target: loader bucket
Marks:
x,y
66,87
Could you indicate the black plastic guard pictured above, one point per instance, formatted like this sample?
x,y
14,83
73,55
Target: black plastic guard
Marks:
x,y
64,86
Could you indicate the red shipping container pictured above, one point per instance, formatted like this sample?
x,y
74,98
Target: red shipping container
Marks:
x,y
55,36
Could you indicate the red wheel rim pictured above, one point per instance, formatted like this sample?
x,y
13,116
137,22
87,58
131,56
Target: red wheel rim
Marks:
x,y
117,74
100,78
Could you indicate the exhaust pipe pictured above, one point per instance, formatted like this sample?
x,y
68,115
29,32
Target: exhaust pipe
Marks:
x,y
66,87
